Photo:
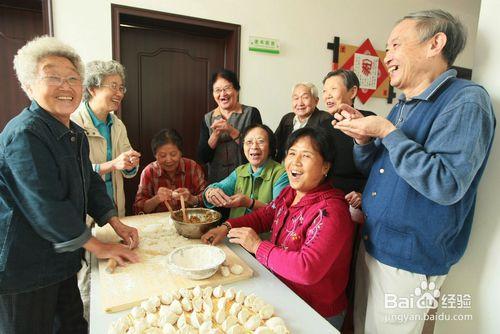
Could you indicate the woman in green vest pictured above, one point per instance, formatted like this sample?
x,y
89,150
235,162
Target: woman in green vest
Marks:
x,y
254,184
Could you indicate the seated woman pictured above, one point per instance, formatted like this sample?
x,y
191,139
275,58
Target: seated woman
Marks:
x,y
169,177
311,229
252,185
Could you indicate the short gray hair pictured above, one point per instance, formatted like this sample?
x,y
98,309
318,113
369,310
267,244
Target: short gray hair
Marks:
x,y
430,22
312,88
97,71
27,58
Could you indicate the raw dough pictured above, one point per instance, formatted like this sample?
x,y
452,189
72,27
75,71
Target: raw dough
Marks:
x,y
236,269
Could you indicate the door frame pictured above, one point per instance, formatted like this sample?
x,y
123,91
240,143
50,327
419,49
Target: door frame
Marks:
x,y
149,18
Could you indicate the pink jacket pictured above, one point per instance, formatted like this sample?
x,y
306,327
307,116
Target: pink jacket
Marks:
x,y
310,245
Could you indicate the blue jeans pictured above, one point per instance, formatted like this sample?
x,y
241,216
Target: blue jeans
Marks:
x,y
54,309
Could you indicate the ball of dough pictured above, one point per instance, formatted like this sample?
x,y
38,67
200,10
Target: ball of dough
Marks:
x,y
236,269
225,271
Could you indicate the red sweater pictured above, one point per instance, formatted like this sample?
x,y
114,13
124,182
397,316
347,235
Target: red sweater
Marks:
x,y
310,245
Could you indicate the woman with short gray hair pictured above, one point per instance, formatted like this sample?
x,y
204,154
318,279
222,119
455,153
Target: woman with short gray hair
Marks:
x,y
110,151
47,186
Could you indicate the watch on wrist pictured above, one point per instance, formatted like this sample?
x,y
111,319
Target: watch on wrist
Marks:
x,y
227,225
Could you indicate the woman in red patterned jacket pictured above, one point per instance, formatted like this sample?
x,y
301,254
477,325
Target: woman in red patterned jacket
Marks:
x,y
310,224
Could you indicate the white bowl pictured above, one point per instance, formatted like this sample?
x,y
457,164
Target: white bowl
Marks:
x,y
196,261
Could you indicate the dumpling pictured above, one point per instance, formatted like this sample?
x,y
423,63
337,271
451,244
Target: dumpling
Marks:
x,y
235,308
176,307
229,322
218,292
266,312
138,312
166,298
253,322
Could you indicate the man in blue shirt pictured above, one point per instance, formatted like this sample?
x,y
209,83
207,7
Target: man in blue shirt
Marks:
x,y
424,164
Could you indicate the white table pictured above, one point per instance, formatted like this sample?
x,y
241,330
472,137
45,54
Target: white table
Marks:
x,y
299,317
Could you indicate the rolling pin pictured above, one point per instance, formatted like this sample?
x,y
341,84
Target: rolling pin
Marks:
x,y
110,267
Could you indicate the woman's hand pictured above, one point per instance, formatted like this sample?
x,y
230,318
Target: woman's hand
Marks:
x,y
186,194
119,252
223,126
214,138
354,199
129,234
164,194
239,200
215,235
246,237
217,197
127,160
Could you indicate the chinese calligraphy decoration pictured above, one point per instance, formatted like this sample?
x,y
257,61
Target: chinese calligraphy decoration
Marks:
x,y
368,65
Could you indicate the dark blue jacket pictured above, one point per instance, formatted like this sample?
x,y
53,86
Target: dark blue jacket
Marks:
x,y
47,186
421,191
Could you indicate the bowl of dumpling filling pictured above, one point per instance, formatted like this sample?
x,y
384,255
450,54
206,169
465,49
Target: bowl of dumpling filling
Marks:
x,y
198,222
195,261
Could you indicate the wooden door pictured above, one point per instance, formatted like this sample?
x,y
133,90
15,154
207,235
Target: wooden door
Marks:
x,y
20,21
168,61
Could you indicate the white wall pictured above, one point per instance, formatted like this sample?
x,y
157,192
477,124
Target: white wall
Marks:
x,y
478,271
303,28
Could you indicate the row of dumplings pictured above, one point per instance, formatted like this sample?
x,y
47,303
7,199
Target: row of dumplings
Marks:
x,y
201,310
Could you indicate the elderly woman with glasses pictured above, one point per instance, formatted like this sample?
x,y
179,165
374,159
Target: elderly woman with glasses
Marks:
x,y
110,151
218,146
254,184
47,187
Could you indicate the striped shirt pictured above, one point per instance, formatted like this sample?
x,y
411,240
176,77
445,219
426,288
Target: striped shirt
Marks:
x,y
189,175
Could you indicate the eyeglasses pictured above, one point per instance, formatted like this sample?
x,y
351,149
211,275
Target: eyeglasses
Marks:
x,y
259,141
53,80
226,89
115,87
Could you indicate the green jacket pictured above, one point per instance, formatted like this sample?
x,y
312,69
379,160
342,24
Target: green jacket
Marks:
x,y
263,185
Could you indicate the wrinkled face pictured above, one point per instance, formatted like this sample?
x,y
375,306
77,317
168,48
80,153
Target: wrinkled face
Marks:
x,y
109,95
303,102
168,156
406,56
335,93
256,147
58,98
305,166
225,95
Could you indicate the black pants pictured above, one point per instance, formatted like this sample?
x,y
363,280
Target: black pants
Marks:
x,y
55,309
